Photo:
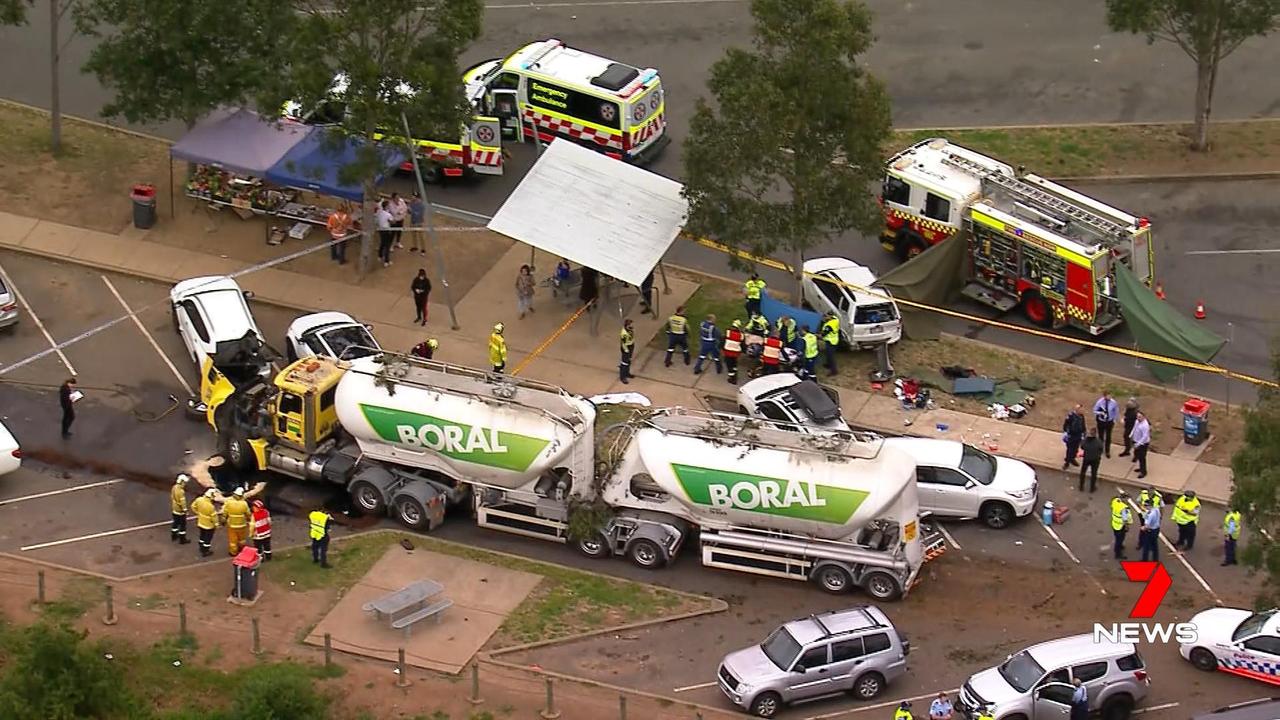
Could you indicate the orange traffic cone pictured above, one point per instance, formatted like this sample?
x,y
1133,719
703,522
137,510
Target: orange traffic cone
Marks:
x,y
1200,315
1160,290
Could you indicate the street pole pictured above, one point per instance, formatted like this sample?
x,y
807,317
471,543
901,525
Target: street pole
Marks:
x,y
55,105
431,226
1231,335
537,144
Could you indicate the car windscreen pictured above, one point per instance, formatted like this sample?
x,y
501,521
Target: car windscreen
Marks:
x,y
978,464
877,313
1252,625
781,648
349,342
1021,671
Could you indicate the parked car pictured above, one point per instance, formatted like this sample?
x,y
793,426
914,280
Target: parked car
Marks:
x,y
211,310
10,451
843,651
1260,709
329,334
794,403
958,480
1036,683
866,318
1240,642
8,306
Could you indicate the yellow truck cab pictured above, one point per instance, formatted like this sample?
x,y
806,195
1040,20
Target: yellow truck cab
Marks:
x,y
559,91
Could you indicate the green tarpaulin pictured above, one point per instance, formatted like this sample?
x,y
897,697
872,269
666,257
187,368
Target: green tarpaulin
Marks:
x,y
933,277
1160,329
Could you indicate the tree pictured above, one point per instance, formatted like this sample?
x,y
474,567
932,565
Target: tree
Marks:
x,y
1256,473
177,60
382,47
14,12
53,674
1206,30
784,159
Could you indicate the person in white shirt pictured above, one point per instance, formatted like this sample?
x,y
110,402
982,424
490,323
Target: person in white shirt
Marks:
x,y
382,218
940,708
399,210
1141,437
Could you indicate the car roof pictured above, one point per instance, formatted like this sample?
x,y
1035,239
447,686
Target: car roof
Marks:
x,y
225,311
1077,649
848,271
1259,709
818,626
930,451
203,283
306,323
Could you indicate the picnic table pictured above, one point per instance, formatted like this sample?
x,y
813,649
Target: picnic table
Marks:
x,y
409,604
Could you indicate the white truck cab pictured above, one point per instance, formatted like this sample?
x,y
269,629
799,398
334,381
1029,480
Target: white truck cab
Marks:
x,y
795,404
841,286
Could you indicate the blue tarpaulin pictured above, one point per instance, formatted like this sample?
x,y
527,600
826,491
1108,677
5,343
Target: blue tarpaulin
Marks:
x,y
772,309
316,161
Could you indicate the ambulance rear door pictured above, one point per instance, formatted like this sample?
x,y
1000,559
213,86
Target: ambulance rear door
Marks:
x,y
646,117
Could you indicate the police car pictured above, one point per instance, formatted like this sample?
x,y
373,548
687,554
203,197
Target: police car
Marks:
x,y
1240,642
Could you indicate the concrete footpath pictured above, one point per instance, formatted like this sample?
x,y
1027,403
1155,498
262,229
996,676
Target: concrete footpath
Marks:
x,y
578,359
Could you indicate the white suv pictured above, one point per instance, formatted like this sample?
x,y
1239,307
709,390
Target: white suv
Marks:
x,y
961,481
211,310
868,315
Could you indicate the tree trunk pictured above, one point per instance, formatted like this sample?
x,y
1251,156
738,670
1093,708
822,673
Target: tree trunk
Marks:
x,y
798,274
55,105
368,227
1206,68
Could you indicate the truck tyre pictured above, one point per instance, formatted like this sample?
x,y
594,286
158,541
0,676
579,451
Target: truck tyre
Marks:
x,y
594,546
412,514
868,686
881,585
834,579
1119,707
766,704
996,515
1204,660
645,553
366,496
1036,309
238,453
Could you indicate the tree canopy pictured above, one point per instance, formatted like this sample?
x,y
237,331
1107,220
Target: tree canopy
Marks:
x,y
1256,473
14,12
783,156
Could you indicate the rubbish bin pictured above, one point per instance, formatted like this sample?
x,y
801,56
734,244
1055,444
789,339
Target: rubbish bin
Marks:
x,y
1195,421
144,206
245,570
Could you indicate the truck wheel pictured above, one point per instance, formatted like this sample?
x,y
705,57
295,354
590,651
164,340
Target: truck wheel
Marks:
x,y
368,498
238,453
1204,660
412,514
1119,707
1036,309
996,515
594,546
766,705
868,686
646,554
881,585
834,579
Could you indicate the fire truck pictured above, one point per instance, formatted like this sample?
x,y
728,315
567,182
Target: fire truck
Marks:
x,y
1031,243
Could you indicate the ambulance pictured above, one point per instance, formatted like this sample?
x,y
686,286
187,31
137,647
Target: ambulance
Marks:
x,y
554,91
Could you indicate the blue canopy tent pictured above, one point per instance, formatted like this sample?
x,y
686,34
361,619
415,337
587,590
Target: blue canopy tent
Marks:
x,y
315,164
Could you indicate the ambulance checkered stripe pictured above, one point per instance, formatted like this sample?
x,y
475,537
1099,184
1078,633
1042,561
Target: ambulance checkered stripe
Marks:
x,y
574,130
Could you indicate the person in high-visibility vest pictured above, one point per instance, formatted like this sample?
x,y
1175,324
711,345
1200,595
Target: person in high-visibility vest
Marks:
x,y
178,510
810,352
677,336
1230,534
262,530
771,355
1152,496
753,288
319,521
831,340
733,338
1121,519
497,349
984,713
236,511
425,349
903,712
708,345
206,520
788,333
626,344
758,325
1186,515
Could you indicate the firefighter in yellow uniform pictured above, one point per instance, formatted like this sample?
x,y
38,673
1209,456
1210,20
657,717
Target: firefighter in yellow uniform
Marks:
x,y
1186,515
237,513
831,340
752,288
206,520
498,349
178,510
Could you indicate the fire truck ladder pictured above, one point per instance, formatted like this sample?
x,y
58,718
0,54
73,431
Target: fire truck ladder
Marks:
x,y
1105,227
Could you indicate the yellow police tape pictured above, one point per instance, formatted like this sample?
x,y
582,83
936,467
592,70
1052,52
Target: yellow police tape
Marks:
x,y
1188,364
551,338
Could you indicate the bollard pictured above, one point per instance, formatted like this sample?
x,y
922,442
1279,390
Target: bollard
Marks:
x,y
475,698
622,707
328,650
110,618
257,639
182,619
550,712
40,587
403,676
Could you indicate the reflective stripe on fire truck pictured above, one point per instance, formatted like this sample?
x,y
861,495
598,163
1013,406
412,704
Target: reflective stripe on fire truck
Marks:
x,y
576,129
923,222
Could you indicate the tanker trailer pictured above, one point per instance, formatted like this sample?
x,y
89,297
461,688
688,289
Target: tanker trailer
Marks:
x,y
841,511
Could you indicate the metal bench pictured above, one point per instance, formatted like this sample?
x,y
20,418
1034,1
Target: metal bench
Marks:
x,y
435,610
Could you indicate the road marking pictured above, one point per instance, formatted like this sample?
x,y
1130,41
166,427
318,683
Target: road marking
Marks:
x,y
95,536
694,687
36,319
1053,534
599,3
877,706
147,334
51,493
1169,545
1232,252
1154,708
947,535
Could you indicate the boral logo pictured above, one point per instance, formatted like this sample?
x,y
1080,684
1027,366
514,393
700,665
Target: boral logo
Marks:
x,y
1157,582
470,443
801,499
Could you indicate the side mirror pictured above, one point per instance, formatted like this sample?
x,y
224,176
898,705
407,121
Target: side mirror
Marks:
x,y
970,485
248,295
800,669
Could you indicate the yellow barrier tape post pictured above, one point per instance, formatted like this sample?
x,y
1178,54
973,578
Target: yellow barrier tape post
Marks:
x,y
551,338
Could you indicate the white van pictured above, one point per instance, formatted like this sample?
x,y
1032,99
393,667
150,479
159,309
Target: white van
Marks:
x,y
866,319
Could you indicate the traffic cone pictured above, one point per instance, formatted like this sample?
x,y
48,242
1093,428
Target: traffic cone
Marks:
x,y
1200,315
1160,290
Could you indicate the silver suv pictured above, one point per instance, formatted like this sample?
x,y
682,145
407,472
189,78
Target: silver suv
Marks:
x,y
856,650
1036,683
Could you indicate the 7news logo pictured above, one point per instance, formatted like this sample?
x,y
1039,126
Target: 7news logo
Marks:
x,y
1157,582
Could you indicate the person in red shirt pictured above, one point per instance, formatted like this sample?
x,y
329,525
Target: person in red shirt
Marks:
x,y
262,530
733,339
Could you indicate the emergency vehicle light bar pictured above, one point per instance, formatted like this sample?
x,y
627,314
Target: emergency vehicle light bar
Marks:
x,y
638,83
551,44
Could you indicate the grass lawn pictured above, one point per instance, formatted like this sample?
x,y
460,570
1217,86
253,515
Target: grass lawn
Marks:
x,y
566,602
